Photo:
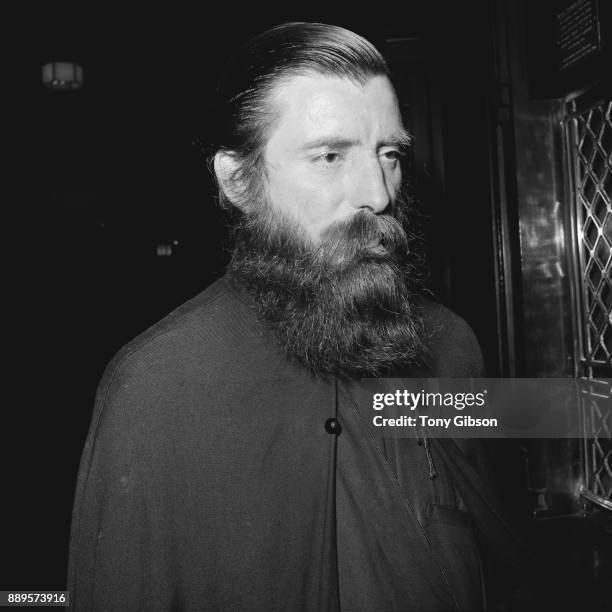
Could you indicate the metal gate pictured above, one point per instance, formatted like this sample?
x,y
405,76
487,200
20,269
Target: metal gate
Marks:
x,y
589,150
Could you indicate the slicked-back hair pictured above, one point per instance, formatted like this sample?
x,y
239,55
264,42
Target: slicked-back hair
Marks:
x,y
245,112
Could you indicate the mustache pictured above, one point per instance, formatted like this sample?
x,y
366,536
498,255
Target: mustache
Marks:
x,y
365,236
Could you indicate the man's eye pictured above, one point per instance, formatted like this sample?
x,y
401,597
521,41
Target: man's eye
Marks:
x,y
329,159
391,156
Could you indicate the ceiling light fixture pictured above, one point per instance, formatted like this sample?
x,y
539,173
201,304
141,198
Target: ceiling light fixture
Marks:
x,y
65,76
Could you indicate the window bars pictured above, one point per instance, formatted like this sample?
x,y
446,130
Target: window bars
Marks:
x,y
589,139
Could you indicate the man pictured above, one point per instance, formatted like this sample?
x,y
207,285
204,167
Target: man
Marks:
x,y
229,466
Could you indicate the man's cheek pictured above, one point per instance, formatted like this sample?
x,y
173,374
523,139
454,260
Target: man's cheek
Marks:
x,y
316,214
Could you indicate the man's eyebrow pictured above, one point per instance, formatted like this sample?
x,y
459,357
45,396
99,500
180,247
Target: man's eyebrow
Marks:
x,y
330,142
400,139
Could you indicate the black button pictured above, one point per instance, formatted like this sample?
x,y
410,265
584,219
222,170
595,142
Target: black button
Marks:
x,y
332,426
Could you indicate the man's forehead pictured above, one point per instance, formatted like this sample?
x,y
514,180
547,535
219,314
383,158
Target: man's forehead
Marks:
x,y
312,103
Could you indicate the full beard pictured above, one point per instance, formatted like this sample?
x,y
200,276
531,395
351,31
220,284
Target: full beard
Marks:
x,y
347,307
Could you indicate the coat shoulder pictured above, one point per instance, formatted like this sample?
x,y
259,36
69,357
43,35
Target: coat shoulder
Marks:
x,y
201,332
453,348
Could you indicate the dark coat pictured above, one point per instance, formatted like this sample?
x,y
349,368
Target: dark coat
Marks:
x,y
209,481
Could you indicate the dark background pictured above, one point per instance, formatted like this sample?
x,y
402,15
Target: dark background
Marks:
x,y
108,172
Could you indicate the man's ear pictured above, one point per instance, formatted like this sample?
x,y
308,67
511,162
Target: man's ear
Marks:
x,y
227,171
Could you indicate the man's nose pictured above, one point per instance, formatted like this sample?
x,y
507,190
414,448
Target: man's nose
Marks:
x,y
372,190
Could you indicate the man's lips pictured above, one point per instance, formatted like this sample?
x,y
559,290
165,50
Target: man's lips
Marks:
x,y
374,250
375,247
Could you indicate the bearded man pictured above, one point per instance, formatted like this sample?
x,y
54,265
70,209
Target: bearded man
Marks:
x,y
229,465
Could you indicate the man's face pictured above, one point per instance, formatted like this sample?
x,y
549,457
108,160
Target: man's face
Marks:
x,y
325,252
333,151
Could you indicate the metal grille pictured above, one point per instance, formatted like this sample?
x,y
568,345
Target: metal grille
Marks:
x,y
591,157
593,153
597,440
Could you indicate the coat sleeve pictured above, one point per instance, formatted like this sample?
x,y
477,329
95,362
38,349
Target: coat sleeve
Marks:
x,y
118,559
